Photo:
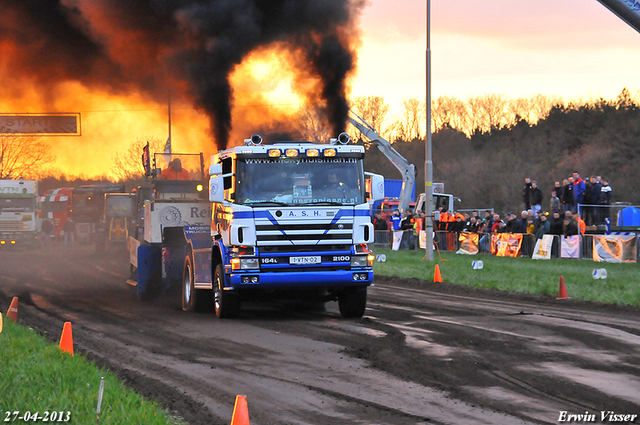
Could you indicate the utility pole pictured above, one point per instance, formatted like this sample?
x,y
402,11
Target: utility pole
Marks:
x,y
428,165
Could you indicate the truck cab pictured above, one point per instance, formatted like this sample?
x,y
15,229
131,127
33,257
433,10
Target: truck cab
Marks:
x,y
171,245
18,213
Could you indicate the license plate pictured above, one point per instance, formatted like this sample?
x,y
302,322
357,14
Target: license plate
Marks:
x,y
316,259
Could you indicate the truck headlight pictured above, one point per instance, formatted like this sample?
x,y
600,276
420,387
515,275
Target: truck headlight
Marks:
x,y
359,261
245,263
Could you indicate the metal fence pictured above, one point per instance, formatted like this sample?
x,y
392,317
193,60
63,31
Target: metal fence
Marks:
x,y
597,215
448,241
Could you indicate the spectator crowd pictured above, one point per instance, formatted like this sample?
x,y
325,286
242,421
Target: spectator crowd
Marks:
x,y
593,195
573,205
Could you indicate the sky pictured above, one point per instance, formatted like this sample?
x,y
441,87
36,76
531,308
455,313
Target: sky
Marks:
x,y
575,49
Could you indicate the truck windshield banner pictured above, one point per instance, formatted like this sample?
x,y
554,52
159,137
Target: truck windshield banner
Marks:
x,y
301,160
299,181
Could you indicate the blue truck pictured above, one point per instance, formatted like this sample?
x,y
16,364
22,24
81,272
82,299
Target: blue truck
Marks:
x,y
287,221
291,220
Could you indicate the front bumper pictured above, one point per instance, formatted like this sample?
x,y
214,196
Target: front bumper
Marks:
x,y
26,238
301,280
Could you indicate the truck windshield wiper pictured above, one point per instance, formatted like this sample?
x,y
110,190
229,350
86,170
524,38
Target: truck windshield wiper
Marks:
x,y
324,203
268,203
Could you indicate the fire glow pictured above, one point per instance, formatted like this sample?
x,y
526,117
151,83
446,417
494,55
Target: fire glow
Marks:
x,y
230,67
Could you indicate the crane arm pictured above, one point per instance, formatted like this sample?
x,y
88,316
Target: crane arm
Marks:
x,y
407,170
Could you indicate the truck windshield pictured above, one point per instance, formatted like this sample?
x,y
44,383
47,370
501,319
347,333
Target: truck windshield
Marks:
x,y
56,206
17,204
300,181
179,166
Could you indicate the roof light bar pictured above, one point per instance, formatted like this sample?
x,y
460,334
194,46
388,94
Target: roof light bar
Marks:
x,y
329,152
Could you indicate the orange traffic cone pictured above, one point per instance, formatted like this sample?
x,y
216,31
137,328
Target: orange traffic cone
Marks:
x,y
563,290
12,313
66,340
0,323
240,411
437,278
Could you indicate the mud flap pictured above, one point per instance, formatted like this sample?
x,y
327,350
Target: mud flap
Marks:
x,y
149,271
172,267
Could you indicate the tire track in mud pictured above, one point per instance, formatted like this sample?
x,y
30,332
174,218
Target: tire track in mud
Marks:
x,y
424,353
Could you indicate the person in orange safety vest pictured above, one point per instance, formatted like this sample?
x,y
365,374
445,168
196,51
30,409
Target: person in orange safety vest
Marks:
x,y
175,171
582,226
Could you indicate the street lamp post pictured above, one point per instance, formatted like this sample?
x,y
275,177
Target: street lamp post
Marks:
x,y
428,165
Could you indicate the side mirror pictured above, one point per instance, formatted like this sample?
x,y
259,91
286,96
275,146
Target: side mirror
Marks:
x,y
216,185
377,186
215,169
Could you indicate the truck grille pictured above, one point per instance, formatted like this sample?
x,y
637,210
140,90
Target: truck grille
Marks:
x,y
327,233
302,248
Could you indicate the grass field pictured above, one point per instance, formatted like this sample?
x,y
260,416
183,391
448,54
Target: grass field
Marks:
x,y
622,285
36,377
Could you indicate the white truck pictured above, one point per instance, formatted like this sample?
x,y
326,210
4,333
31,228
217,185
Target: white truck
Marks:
x,y
19,213
170,246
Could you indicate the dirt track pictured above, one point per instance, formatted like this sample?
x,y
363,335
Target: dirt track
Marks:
x,y
424,353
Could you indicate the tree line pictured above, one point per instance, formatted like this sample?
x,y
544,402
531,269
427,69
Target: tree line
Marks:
x,y
483,147
486,166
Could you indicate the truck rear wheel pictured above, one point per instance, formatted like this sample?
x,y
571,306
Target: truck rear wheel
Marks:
x,y
353,302
226,304
189,293
193,299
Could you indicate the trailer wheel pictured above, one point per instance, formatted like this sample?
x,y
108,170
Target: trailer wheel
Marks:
x,y
188,291
352,302
226,304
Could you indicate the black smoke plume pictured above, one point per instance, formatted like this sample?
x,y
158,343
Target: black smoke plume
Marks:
x,y
191,46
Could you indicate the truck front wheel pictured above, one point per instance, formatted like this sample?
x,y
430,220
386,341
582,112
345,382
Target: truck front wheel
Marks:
x,y
226,303
352,302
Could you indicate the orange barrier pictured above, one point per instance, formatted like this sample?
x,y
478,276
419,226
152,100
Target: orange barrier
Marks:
x,y
66,339
240,411
12,313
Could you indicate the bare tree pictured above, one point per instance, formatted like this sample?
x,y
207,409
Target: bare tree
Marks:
x,y
128,165
492,108
313,124
447,111
521,108
373,109
23,156
413,117
541,104
477,118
